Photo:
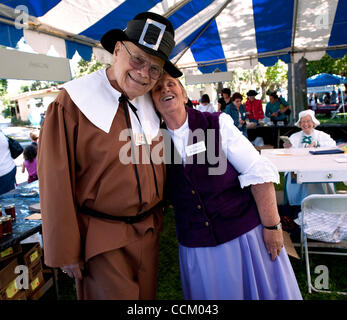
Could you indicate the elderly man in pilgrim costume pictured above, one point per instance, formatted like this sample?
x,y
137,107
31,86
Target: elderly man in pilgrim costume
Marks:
x,y
308,137
101,217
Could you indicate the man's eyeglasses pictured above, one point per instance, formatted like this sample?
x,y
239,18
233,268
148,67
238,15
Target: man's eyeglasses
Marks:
x,y
138,63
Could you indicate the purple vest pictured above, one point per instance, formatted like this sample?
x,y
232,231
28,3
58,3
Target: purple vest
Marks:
x,y
209,209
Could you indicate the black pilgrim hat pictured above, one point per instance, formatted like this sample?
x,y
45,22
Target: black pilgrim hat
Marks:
x,y
149,31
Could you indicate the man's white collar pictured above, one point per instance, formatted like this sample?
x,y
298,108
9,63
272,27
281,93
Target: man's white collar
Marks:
x,y
98,101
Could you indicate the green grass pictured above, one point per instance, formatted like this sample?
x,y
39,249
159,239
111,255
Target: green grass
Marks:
x,y
325,119
169,284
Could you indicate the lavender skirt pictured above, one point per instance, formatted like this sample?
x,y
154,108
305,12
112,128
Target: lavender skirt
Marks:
x,y
240,269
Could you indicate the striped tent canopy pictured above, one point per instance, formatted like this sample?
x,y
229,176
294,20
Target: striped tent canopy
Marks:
x,y
210,34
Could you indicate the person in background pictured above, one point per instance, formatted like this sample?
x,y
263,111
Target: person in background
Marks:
x,y
254,108
226,95
238,112
308,137
34,136
205,105
30,162
333,97
277,109
221,104
8,167
326,98
230,238
189,103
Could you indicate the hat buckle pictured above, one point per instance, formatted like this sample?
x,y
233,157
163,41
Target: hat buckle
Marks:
x,y
159,25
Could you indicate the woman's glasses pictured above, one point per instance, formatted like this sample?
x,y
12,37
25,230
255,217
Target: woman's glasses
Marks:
x,y
138,63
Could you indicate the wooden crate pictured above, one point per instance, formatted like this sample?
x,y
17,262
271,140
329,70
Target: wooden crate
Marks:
x,y
10,252
7,272
31,254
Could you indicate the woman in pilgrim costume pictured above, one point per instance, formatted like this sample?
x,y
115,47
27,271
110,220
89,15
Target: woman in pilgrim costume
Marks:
x,y
308,137
228,227
101,211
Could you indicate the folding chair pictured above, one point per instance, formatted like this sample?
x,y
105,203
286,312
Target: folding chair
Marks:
x,y
323,218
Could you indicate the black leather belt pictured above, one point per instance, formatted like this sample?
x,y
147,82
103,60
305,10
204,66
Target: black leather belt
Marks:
x,y
126,219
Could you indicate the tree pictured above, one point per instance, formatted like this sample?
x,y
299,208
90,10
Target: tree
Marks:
x,y
264,78
86,67
327,65
38,85
3,87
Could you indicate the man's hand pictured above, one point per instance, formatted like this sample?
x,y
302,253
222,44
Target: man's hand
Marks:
x,y
74,270
273,240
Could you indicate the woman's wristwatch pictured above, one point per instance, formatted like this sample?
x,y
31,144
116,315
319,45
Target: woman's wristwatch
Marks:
x,y
275,227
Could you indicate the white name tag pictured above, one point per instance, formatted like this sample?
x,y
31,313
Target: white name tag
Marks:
x,y
195,148
140,139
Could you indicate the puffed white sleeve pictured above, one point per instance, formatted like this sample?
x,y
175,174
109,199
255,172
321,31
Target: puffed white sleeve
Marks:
x,y
325,139
253,168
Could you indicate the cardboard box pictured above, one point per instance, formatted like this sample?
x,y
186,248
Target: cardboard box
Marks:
x,y
288,244
10,252
265,146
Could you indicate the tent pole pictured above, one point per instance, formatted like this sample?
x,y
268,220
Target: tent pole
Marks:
x,y
293,87
202,31
295,17
175,8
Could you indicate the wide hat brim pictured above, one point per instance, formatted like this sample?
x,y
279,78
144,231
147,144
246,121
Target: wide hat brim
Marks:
x,y
109,39
252,93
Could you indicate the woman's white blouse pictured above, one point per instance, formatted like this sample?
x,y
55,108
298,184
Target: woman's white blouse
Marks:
x,y
253,168
321,137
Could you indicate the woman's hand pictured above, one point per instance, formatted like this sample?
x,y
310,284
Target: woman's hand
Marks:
x,y
312,145
74,270
273,240
287,145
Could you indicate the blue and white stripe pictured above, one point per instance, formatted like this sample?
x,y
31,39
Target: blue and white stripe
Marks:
x,y
210,34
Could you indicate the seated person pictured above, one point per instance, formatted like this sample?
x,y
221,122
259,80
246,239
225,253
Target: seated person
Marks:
x,y
205,105
308,137
277,109
254,108
238,112
226,95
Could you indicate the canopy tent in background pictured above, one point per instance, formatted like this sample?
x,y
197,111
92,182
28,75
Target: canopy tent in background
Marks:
x,y
323,79
210,34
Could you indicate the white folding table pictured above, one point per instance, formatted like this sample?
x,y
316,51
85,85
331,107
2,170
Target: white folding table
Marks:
x,y
308,167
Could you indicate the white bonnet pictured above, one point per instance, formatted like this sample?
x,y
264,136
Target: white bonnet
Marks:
x,y
305,113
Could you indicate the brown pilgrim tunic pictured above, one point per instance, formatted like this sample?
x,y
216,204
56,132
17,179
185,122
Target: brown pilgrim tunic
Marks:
x,y
78,164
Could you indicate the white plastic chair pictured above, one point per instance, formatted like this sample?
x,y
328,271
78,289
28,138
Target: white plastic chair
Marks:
x,y
322,206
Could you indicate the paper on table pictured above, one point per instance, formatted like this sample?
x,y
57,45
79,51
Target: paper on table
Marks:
x,y
35,216
341,160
